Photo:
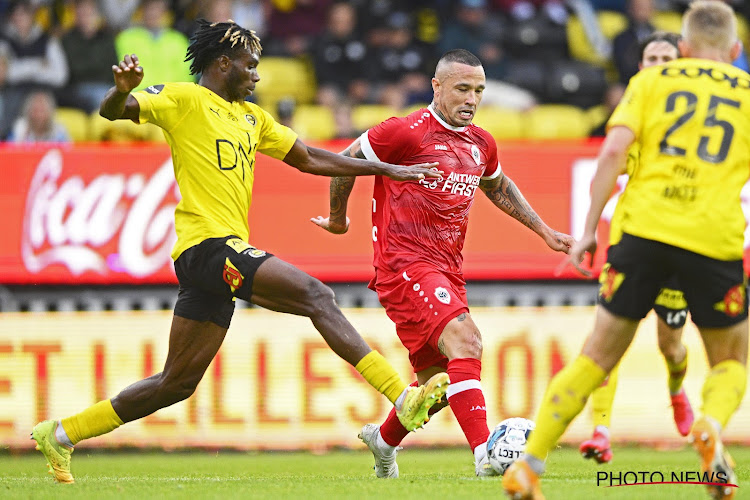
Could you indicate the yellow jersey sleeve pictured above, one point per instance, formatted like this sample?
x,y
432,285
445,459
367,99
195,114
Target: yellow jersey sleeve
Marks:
x,y
629,113
165,105
275,139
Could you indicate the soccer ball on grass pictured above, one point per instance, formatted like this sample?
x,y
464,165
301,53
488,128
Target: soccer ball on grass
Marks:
x,y
507,442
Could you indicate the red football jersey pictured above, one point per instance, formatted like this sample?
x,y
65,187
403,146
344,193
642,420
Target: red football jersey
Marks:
x,y
425,222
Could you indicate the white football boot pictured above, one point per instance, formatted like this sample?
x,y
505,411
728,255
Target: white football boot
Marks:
x,y
385,459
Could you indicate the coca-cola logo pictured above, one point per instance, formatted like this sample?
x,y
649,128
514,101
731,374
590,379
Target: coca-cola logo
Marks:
x,y
115,222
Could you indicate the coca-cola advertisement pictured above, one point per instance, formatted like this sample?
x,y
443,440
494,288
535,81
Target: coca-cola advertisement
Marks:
x,y
87,215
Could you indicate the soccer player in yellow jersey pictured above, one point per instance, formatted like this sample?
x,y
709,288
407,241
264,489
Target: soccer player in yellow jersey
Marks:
x,y
214,135
681,216
670,305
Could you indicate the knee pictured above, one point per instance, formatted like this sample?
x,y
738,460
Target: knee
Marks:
x,y
318,297
173,390
462,343
671,348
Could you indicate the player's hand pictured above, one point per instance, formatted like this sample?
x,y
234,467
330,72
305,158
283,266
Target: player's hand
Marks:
x,y
587,244
413,172
559,242
128,74
330,226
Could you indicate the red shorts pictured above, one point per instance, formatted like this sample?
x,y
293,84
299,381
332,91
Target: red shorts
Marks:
x,y
421,301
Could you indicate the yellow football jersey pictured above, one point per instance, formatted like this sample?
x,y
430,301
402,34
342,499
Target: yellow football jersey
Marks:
x,y
691,119
213,145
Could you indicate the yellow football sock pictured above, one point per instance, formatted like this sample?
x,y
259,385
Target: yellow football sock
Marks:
x,y
676,374
565,398
723,390
380,374
603,397
93,421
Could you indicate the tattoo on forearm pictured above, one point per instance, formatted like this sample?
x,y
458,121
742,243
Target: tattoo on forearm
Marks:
x,y
354,151
506,196
341,188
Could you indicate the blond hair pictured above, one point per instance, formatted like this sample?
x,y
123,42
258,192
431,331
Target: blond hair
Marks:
x,y
710,24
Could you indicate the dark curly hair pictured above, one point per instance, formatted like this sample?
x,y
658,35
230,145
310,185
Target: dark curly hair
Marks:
x,y
212,40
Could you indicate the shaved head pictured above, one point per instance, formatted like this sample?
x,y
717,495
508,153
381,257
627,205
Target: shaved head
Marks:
x,y
456,56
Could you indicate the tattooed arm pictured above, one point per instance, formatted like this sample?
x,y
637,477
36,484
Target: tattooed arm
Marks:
x,y
503,192
341,188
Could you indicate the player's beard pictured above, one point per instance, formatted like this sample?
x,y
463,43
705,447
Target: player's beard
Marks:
x,y
235,88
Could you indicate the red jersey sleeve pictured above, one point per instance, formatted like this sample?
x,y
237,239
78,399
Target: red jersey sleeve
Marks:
x,y
493,168
391,141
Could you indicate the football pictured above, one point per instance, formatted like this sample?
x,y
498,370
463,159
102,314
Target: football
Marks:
x,y
508,441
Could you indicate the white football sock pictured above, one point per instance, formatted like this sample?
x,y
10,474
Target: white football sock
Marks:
x,y
62,436
480,452
384,447
400,399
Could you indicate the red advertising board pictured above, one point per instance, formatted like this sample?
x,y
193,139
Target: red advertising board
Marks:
x,y
103,214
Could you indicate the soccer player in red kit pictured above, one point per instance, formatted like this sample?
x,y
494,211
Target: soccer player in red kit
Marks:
x,y
418,233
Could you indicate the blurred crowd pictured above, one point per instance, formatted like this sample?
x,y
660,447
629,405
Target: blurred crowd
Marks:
x,y
59,53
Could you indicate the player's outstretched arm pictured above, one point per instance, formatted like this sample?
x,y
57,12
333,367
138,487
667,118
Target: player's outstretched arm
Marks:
x,y
341,187
612,163
503,192
318,161
118,103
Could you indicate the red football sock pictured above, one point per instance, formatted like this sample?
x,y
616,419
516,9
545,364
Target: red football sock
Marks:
x,y
391,430
467,400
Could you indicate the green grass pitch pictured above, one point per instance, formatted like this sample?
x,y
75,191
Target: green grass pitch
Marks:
x,y
425,474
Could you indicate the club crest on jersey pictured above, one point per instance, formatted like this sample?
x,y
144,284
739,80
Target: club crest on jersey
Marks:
x,y
443,295
475,154
250,119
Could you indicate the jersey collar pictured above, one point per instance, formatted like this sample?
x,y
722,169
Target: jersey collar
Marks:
x,y
442,122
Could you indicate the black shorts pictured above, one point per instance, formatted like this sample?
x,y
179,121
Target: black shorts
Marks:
x,y
211,274
637,269
670,304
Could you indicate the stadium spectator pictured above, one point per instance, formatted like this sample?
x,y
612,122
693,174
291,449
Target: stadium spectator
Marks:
x,y
401,66
90,50
523,10
418,233
626,45
342,116
339,57
294,24
205,124
36,61
251,13
474,28
159,47
119,13
37,121
682,216
285,111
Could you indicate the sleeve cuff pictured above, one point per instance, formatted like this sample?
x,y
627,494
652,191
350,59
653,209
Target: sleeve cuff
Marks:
x,y
364,142
495,174
143,106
